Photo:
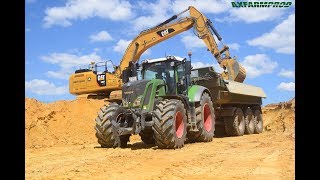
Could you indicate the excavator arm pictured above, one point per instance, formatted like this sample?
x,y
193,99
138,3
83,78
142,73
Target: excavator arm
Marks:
x,y
204,30
88,82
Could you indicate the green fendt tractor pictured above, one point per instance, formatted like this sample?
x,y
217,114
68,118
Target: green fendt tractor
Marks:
x,y
166,102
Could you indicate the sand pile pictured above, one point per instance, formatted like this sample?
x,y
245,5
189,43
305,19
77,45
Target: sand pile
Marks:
x,y
60,122
71,122
280,116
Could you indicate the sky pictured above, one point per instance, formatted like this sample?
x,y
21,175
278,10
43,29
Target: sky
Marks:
x,y
62,36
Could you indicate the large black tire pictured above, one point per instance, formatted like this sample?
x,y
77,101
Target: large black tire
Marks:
x,y
103,126
258,122
235,125
205,119
249,121
170,124
147,136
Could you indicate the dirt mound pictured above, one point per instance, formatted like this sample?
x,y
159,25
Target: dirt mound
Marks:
x,y
71,122
280,116
61,122
60,144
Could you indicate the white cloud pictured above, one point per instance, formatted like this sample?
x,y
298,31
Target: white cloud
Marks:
x,y
68,63
204,6
96,49
65,60
28,30
258,64
192,41
286,73
234,46
290,86
161,10
157,13
84,9
199,64
254,15
281,38
43,87
121,45
100,36
61,74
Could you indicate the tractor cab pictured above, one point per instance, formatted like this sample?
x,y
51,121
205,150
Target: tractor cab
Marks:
x,y
170,69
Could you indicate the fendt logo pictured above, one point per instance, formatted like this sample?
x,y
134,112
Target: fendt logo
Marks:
x,y
261,4
165,32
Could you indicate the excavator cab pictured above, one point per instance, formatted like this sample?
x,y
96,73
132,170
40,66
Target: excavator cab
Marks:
x,y
101,67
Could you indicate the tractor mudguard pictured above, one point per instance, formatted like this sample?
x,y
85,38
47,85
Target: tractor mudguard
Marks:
x,y
195,92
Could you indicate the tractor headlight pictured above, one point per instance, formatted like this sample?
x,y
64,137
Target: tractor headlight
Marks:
x,y
137,102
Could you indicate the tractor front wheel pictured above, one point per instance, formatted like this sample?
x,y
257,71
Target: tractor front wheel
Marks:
x,y
170,124
103,126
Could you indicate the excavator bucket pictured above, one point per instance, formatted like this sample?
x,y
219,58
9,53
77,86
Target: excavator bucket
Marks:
x,y
235,71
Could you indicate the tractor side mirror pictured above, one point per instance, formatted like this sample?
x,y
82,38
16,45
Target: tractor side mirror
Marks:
x,y
188,67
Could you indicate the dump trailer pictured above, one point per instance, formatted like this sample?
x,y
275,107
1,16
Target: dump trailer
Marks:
x,y
168,102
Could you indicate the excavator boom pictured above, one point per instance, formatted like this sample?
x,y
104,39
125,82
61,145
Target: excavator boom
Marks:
x,y
203,28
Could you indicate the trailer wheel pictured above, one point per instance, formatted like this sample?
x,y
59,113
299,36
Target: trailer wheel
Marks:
x,y
258,122
235,125
103,126
205,118
170,124
249,121
147,136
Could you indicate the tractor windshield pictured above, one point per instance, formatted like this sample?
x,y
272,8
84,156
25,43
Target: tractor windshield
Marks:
x,y
160,70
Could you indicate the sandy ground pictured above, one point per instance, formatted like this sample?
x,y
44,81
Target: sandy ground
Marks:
x,y
60,144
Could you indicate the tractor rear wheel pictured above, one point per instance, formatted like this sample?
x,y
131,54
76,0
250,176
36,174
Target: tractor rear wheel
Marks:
x,y
205,118
235,125
258,122
249,121
103,126
170,124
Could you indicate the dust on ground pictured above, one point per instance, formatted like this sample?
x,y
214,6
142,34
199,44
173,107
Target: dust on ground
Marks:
x,y
60,144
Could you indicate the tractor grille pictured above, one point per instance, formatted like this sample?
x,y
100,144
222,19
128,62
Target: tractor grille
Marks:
x,y
131,90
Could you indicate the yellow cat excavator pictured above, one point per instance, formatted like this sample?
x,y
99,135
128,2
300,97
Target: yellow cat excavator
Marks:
x,y
101,84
